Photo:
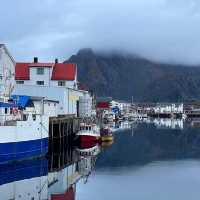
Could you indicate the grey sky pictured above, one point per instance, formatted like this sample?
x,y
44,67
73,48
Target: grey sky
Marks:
x,y
163,30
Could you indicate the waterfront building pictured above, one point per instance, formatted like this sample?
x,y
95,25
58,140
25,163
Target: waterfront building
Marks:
x,y
46,74
164,108
122,105
55,81
7,71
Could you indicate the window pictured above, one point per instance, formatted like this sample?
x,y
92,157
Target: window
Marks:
x,y
20,82
61,83
40,71
40,82
1,77
34,117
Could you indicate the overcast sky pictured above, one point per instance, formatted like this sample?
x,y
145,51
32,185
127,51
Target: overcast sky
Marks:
x,y
163,30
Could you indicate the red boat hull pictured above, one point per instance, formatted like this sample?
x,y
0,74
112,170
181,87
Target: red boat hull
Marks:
x,y
87,141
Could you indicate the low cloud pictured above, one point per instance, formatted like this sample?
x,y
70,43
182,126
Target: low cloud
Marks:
x,y
161,30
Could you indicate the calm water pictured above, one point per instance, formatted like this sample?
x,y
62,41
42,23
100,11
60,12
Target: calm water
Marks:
x,y
147,161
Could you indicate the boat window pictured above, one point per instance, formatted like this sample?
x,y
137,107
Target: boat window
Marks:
x,y
86,127
34,117
11,110
25,117
90,128
6,110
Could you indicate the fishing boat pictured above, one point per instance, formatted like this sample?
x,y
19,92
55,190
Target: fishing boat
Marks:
x,y
23,132
106,134
88,134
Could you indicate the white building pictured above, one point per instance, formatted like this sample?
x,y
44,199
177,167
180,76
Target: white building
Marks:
x,y
168,108
55,81
122,105
7,71
46,74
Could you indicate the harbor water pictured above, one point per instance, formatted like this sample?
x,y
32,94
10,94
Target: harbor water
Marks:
x,y
146,161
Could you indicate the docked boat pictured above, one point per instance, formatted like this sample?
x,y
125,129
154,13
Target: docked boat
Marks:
x,y
106,134
88,134
23,132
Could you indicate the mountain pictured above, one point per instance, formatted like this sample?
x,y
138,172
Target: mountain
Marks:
x,y
123,76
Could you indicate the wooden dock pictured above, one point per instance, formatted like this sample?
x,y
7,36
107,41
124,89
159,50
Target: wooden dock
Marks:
x,y
62,131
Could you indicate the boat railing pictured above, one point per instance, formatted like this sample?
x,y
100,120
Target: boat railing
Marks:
x,y
11,120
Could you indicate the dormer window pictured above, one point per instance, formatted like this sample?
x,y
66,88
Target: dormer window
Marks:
x,y
40,71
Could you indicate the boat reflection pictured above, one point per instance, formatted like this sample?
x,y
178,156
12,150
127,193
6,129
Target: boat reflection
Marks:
x,y
52,179
79,165
25,180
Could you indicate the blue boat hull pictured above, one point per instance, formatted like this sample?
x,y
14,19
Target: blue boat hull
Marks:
x,y
10,152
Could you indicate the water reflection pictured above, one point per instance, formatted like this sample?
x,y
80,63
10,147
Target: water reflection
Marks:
x,y
146,143
51,179
25,180
160,123
146,157
148,163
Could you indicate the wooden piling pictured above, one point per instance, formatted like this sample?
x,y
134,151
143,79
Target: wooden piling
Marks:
x,y
62,131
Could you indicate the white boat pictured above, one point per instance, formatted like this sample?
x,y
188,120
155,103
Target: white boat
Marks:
x,y
23,133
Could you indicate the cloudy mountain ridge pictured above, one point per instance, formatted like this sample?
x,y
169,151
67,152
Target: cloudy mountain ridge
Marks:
x,y
123,76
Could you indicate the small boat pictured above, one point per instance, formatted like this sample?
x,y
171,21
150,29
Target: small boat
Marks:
x,y
88,134
106,134
23,133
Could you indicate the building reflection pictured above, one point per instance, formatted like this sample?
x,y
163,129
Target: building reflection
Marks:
x,y
63,178
159,123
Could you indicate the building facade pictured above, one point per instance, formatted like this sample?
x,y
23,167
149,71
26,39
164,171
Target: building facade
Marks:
x,y
55,81
46,74
7,71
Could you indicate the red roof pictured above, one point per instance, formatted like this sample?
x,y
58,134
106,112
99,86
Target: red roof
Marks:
x,y
64,72
22,71
60,71
103,105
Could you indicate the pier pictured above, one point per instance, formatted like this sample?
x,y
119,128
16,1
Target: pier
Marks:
x,y
62,131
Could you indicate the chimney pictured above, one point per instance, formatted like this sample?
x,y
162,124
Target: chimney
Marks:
x,y
35,59
56,60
